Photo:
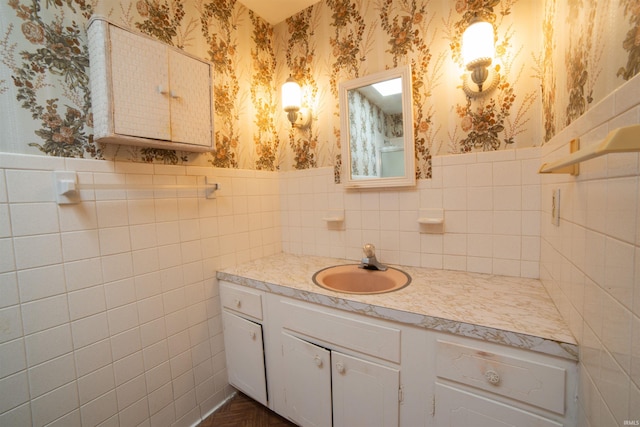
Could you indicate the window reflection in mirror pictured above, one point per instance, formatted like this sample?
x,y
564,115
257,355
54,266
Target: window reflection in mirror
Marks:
x,y
377,130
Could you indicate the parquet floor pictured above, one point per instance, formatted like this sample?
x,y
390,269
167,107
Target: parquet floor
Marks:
x,y
242,411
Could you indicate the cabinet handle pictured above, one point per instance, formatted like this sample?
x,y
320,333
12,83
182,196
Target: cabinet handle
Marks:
x,y
237,302
318,361
252,334
492,377
340,368
161,90
173,95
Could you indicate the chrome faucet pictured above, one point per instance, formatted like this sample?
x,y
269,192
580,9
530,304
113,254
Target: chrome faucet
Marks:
x,y
369,262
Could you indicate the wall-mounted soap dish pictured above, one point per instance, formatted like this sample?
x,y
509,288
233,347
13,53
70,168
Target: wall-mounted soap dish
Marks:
x,y
431,220
334,215
334,219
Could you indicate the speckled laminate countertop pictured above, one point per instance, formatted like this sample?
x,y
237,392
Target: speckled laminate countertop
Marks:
x,y
505,310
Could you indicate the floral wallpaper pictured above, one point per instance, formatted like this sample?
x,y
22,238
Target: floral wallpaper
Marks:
x,y
263,96
545,70
554,60
366,137
219,25
370,128
492,122
631,43
300,59
62,126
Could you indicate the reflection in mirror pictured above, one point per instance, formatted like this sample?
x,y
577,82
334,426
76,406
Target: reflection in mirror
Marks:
x,y
377,130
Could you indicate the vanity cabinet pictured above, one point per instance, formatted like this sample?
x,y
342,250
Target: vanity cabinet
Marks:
x,y
147,93
243,340
331,367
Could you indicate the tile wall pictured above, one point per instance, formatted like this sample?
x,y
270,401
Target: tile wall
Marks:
x,y
590,263
109,311
491,205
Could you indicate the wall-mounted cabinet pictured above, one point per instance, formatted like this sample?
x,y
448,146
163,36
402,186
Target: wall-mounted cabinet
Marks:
x,y
147,93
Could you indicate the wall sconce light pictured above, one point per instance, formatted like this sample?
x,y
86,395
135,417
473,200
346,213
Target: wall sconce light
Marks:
x,y
292,104
478,49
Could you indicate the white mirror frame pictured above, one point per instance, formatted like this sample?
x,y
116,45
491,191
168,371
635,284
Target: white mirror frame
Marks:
x,y
409,177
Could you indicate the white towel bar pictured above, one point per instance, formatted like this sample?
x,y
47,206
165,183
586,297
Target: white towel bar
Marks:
x,y
68,189
621,140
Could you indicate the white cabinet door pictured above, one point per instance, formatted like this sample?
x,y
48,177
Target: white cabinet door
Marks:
x,y
190,92
458,408
307,381
364,393
140,79
245,356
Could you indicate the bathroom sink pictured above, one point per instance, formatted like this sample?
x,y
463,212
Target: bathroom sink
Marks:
x,y
353,280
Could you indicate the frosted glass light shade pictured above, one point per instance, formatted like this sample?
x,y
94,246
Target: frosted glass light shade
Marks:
x,y
291,95
478,44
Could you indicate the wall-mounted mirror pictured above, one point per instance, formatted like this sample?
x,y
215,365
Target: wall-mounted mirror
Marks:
x,y
376,130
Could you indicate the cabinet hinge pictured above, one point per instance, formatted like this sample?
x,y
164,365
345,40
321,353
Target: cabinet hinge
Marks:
x,y
433,405
400,394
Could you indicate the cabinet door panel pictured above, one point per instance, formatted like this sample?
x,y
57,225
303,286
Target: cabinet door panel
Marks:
x,y
190,100
458,408
364,393
139,107
245,356
307,382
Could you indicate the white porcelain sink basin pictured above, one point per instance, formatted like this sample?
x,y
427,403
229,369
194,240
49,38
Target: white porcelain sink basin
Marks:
x,y
353,280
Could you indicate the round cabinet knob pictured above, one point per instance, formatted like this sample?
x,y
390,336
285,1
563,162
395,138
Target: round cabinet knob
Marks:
x,y
492,377
318,361
237,302
252,334
340,368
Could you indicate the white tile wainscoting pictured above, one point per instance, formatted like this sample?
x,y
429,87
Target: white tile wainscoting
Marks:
x,y
111,304
109,308
590,263
491,205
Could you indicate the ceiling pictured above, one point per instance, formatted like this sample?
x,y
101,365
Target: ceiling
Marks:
x,y
276,11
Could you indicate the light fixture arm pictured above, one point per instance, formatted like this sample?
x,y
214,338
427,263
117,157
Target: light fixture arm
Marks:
x,y
479,71
292,115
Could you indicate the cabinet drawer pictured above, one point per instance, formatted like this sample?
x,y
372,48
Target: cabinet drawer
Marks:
x,y
363,337
531,382
241,300
458,408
